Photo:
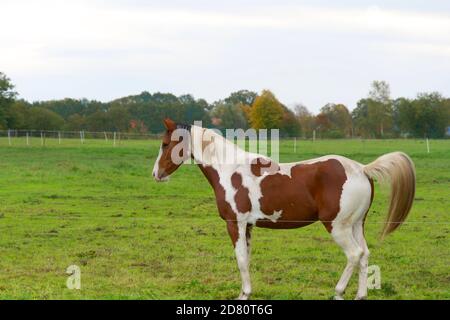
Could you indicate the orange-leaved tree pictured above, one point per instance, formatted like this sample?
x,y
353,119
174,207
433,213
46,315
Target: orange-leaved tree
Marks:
x,y
266,111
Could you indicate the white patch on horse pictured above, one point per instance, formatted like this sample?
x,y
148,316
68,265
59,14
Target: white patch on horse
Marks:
x,y
156,165
243,260
354,203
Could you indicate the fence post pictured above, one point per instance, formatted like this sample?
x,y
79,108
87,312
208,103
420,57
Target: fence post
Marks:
x,y
28,142
428,146
106,136
314,135
9,136
295,144
42,139
59,137
114,139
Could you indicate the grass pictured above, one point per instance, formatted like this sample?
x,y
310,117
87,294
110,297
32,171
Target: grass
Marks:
x,y
97,207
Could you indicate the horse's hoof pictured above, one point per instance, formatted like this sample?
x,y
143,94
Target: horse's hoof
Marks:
x,y
360,297
338,298
243,296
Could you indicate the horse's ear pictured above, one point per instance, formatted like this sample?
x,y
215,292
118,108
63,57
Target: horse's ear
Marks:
x,y
169,124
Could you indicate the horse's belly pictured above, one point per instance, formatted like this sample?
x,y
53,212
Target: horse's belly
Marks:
x,y
287,212
282,224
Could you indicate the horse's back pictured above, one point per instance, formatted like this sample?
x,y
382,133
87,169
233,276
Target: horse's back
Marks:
x,y
308,191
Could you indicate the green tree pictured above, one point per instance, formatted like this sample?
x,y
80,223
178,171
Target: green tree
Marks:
x,y
17,115
226,115
244,97
119,118
380,91
363,125
75,122
266,111
44,119
306,120
380,109
290,126
404,116
374,117
7,96
339,122
98,121
426,116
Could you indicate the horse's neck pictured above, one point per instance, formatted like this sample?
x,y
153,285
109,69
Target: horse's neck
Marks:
x,y
211,149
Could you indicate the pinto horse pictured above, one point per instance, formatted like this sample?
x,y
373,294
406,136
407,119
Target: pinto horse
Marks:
x,y
254,190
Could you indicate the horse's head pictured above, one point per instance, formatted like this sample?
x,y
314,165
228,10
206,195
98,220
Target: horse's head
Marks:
x,y
173,151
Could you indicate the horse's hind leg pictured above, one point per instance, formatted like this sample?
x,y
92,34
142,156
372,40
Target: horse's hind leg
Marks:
x,y
343,235
358,233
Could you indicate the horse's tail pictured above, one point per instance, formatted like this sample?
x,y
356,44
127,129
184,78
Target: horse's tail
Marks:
x,y
397,168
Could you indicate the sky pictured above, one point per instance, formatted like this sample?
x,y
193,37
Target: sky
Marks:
x,y
309,52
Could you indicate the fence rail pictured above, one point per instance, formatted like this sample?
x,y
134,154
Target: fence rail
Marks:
x,y
30,136
14,137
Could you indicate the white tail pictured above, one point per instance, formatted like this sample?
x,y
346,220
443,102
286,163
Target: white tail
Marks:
x,y
398,169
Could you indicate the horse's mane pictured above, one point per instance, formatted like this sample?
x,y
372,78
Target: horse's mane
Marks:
x,y
184,126
212,147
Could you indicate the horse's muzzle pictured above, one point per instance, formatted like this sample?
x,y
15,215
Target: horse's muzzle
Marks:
x,y
160,176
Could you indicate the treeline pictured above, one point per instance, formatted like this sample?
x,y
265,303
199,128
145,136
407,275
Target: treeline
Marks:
x,y
375,116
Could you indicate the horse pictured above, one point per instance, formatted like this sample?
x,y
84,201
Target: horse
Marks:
x,y
257,191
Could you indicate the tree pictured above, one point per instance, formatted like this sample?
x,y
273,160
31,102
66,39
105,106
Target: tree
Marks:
x,y
290,126
426,116
266,111
322,123
98,121
339,120
7,96
373,116
244,97
363,125
17,115
380,109
44,119
404,117
306,119
226,115
119,118
380,92
75,122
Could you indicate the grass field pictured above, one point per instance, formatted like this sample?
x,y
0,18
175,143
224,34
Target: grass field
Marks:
x,y
97,207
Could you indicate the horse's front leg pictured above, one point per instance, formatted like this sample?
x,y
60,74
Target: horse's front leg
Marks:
x,y
239,232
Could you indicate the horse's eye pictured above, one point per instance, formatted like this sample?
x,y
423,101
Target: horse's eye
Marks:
x,y
164,145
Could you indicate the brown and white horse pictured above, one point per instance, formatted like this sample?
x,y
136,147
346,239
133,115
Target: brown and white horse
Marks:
x,y
254,190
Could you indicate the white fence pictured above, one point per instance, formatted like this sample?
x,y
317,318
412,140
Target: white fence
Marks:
x,y
43,137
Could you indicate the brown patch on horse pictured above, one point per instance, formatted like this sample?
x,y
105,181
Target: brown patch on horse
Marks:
x,y
165,164
243,203
312,193
260,166
233,232
225,210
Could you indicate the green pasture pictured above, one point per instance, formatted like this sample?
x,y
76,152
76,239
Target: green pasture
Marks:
x,y
96,206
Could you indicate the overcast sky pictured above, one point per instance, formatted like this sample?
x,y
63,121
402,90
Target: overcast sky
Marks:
x,y
313,52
